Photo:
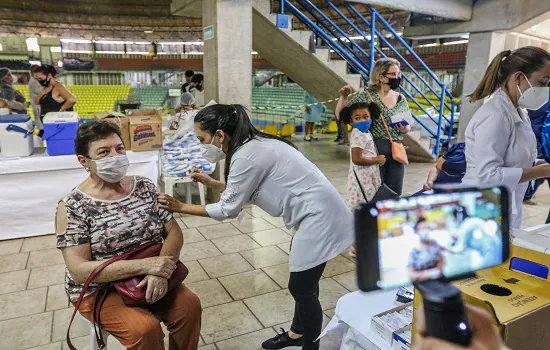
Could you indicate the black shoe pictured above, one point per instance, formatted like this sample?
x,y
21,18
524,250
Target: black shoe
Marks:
x,y
282,340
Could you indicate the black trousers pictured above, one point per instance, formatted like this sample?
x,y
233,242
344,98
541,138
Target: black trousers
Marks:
x,y
308,314
393,172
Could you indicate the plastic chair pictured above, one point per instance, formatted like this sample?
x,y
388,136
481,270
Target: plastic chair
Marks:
x,y
170,183
93,341
271,129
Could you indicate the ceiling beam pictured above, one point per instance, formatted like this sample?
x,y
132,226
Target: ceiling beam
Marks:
x,y
453,9
488,16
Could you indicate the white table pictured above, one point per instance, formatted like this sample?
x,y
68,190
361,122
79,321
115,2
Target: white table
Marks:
x,y
354,311
31,187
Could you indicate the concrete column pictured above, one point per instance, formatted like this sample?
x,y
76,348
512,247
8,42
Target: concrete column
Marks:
x,y
482,48
227,57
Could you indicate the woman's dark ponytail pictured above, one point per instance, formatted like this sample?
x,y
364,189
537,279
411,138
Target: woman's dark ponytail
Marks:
x,y
235,121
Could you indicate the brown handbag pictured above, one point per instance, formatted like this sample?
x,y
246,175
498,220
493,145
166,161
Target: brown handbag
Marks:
x,y
398,150
126,288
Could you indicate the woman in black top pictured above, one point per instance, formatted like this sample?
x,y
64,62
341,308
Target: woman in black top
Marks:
x,y
54,97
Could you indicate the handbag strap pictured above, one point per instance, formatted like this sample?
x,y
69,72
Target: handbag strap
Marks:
x,y
360,187
381,117
87,283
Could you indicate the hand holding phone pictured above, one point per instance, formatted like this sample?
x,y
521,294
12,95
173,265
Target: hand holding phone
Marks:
x,y
399,123
443,236
484,334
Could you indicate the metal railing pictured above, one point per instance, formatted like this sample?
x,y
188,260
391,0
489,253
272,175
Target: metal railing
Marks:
x,y
362,60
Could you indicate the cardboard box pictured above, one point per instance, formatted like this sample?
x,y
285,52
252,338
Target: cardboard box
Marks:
x,y
518,301
402,339
121,121
145,129
381,329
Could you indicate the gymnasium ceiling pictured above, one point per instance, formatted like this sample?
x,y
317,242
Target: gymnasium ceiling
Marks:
x,y
149,20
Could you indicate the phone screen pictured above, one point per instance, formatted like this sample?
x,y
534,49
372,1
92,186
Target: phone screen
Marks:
x,y
440,236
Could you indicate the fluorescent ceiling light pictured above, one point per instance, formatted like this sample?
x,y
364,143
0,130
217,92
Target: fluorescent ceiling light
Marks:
x,y
456,42
109,42
534,28
254,53
76,51
148,31
194,53
437,36
117,52
76,41
38,63
428,45
55,48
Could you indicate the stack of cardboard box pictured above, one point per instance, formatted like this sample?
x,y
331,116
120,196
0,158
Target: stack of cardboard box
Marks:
x,y
141,129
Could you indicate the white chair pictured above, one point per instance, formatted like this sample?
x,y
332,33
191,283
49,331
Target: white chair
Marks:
x,y
93,341
170,183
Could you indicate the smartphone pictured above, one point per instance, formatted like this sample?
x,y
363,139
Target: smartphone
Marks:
x,y
443,236
403,122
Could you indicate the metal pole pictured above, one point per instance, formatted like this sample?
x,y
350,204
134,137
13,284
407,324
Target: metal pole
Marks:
x,y
282,7
441,108
372,40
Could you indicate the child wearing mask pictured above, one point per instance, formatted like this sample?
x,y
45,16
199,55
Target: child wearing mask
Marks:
x,y
364,173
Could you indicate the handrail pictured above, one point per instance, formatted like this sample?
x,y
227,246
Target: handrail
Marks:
x,y
383,39
334,36
404,43
353,43
330,31
329,40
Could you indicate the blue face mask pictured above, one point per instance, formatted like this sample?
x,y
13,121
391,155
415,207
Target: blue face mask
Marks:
x,y
363,126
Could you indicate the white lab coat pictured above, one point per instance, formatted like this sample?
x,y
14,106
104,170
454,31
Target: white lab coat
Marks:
x,y
499,144
284,183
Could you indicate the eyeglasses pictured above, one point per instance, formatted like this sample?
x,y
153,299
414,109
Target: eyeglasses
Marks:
x,y
393,75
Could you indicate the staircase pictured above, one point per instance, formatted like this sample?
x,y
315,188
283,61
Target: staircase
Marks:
x,y
294,53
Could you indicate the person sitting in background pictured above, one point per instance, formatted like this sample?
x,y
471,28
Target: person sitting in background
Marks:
x,y
108,215
197,89
54,96
185,112
14,98
188,76
449,168
34,89
364,173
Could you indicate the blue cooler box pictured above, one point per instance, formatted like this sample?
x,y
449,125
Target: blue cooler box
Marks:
x,y
60,132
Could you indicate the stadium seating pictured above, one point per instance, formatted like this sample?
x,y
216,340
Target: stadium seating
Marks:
x,y
96,98
90,98
289,102
152,96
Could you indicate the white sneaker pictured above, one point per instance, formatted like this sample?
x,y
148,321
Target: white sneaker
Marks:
x,y
315,138
307,138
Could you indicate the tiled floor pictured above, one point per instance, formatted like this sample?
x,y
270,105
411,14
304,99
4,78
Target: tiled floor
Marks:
x,y
240,272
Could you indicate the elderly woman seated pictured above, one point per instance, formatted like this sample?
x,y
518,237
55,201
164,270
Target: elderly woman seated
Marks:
x,y
107,215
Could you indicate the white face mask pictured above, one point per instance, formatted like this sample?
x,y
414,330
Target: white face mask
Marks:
x,y
112,169
212,153
14,77
534,97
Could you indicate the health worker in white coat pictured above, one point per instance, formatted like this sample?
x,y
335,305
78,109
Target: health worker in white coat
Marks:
x,y
501,148
271,173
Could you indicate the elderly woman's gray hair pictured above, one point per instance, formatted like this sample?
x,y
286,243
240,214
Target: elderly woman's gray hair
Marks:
x,y
381,67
